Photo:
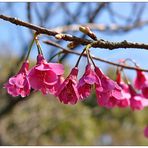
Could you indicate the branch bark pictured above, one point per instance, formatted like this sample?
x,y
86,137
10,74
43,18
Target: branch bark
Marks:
x,y
95,58
96,44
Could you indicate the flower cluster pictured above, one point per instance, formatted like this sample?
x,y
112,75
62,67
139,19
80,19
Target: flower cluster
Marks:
x,y
48,78
146,131
136,100
19,84
44,77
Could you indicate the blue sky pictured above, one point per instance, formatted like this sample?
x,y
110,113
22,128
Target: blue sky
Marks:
x,y
10,35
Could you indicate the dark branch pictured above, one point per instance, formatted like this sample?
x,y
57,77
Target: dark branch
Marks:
x,y
96,44
95,58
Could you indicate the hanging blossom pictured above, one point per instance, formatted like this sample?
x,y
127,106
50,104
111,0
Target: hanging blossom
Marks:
x,y
44,75
130,96
53,89
125,101
146,132
19,84
141,82
137,101
109,91
86,82
68,92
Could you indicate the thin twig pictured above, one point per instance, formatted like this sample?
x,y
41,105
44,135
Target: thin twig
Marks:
x,y
114,28
95,58
97,44
97,11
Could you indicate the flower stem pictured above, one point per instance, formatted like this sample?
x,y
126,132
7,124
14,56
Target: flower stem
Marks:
x,y
85,49
30,47
131,60
88,58
92,60
38,46
55,55
126,79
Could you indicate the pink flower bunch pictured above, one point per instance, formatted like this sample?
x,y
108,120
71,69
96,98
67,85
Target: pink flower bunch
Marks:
x,y
132,98
68,92
44,77
141,83
146,132
72,90
110,93
48,78
19,84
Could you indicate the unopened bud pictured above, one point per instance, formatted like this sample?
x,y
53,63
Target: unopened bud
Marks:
x,y
72,45
87,31
83,29
59,36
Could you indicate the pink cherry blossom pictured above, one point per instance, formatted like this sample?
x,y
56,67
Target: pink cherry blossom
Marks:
x,y
53,89
68,92
45,75
85,83
130,96
145,90
141,83
137,101
106,100
19,84
110,93
146,132
140,80
125,101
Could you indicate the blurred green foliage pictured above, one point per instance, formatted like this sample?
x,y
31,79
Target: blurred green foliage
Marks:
x,y
43,120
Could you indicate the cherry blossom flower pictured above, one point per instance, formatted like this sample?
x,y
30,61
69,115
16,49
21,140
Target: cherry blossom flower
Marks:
x,y
137,101
145,90
45,75
19,84
86,82
146,132
141,80
109,90
68,92
125,101
141,83
53,89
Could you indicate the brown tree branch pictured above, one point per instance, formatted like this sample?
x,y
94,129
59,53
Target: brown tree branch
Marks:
x,y
96,44
101,27
97,10
95,58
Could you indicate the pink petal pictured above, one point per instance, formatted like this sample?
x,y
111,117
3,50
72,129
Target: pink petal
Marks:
x,y
144,102
68,92
136,103
50,78
90,79
19,80
84,91
145,91
140,79
25,67
12,90
117,94
43,67
35,79
40,59
57,68
146,132
123,103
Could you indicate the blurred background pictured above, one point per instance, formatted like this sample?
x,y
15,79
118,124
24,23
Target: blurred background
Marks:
x,y
43,120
